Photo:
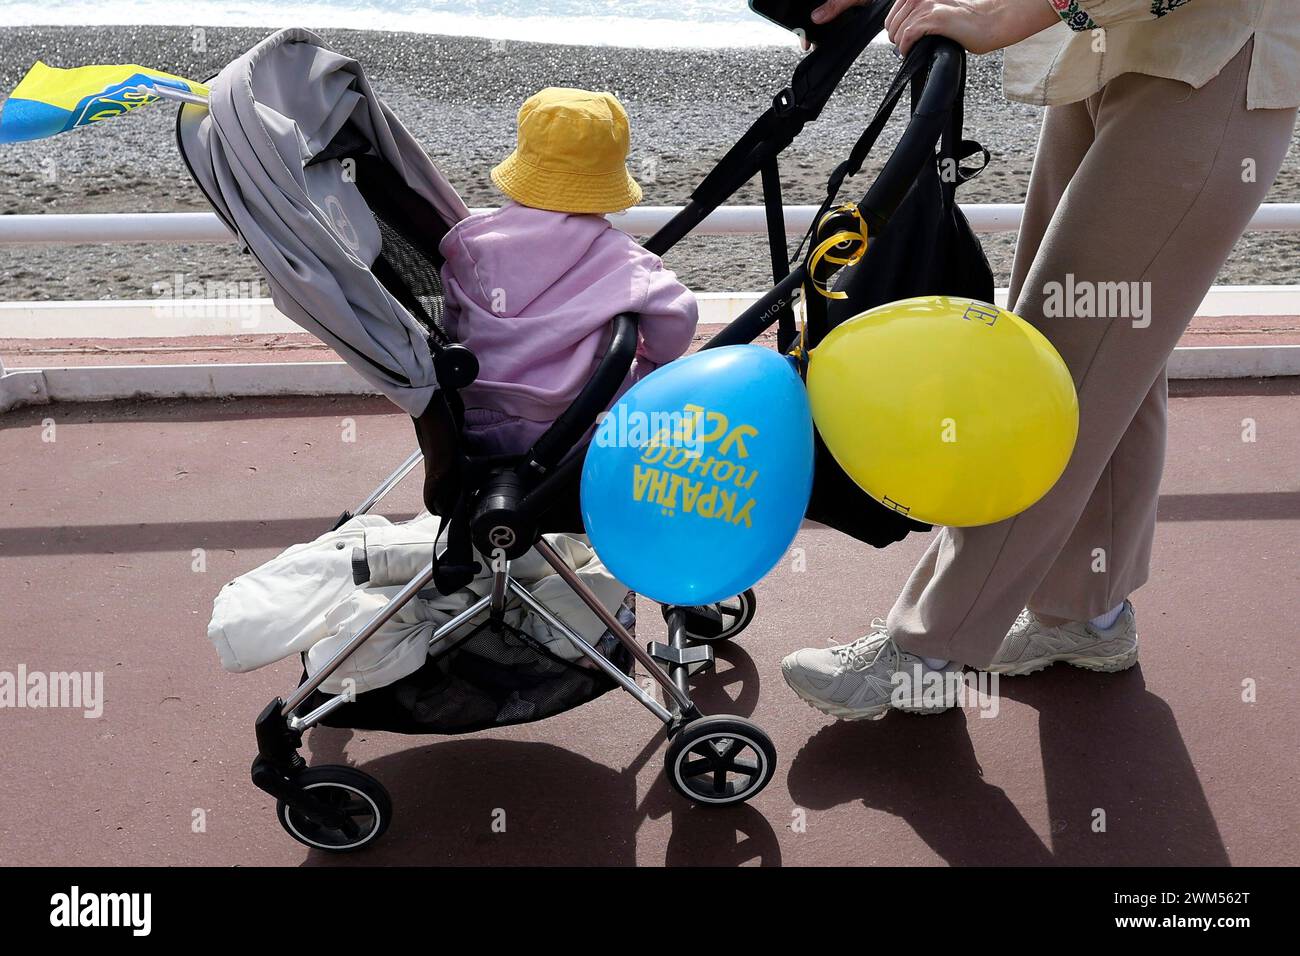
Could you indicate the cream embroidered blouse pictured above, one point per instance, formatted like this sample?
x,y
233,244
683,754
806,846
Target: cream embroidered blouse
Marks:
x,y
1187,40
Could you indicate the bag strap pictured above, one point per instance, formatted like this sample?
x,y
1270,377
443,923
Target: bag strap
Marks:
x,y
954,149
911,77
857,156
815,306
951,145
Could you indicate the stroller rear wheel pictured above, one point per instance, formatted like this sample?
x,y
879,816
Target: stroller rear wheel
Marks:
x,y
720,760
361,809
715,623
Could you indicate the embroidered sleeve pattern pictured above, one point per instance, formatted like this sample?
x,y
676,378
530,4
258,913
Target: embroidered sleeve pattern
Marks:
x,y
1078,14
1075,17
1161,7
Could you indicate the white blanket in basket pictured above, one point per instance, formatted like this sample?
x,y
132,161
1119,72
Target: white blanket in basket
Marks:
x,y
305,600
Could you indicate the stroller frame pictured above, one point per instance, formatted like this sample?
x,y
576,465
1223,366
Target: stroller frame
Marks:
x,y
503,584
716,760
278,767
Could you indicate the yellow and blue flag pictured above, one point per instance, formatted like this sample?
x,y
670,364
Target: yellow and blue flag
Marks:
x,y
49,100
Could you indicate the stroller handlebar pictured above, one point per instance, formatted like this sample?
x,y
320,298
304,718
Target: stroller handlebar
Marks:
x,y
925,128
932,115
815,78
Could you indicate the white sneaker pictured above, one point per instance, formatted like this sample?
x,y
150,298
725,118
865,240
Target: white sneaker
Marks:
x,y
864,680
1031,645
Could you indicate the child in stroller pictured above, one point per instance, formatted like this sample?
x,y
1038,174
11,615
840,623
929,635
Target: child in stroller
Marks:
x,y
530,288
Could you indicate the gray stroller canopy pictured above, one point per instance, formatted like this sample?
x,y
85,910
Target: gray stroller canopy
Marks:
x,y
336,201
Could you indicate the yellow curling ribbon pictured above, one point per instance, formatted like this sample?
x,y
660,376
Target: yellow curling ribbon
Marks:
x,y
842,248
854,242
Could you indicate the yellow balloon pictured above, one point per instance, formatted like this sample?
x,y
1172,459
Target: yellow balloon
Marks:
x,y
952,411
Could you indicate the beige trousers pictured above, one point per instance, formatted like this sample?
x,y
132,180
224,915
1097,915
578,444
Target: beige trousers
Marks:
x,y
1147,183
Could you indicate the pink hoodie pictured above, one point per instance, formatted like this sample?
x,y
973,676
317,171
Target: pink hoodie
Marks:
x,y
532,292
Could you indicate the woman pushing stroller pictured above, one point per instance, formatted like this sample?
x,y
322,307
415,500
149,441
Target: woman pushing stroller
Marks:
x,y
1153,107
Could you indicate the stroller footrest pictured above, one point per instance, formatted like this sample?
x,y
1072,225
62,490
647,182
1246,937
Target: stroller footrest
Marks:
x,y
695,658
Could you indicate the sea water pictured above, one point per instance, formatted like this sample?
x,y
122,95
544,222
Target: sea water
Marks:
x,y
639,23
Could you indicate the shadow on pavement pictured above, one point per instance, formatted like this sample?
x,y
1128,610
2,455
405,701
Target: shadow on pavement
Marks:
x,y
1106,744
183,535
1109,743
733,686
193,411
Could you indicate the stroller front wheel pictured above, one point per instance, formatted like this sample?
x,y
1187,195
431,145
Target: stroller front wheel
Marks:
x,y
715,623
720,760
361,810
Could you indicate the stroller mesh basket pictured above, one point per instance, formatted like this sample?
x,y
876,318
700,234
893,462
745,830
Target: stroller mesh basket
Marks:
x,y
494,676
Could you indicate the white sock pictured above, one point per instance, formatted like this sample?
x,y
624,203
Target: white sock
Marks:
x,y
1104,622
934,663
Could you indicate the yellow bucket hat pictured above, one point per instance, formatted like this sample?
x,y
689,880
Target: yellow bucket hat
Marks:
x,y
572,154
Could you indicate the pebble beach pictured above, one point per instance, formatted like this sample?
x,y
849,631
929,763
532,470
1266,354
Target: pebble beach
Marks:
x,y
458,96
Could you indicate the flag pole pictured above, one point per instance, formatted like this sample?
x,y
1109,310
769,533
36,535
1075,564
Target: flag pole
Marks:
x,y
171,93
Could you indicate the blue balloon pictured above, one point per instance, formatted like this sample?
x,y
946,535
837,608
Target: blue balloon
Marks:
x,y
696,481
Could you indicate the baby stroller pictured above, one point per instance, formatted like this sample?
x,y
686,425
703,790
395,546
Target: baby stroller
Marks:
x,y
343,212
